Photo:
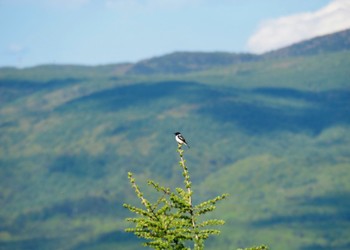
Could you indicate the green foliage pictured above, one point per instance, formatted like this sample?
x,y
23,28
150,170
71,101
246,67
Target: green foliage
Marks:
x,y
173,220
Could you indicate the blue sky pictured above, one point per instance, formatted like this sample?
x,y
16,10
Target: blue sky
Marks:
x,y
94,32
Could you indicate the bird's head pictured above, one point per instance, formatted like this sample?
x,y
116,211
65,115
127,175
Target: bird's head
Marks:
x,y
176,133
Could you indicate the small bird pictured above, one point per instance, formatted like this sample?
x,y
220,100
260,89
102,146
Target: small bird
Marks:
x,y
180,139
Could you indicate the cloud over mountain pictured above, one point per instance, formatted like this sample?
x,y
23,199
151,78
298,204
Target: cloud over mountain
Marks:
x,y
283,31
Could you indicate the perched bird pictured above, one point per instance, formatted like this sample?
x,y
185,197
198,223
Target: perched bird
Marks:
x,y
180,139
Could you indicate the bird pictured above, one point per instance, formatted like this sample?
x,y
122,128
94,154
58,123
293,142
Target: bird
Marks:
x,y
180,139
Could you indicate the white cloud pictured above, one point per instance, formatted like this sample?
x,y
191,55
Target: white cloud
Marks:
x,y
15,48
280,32
14,54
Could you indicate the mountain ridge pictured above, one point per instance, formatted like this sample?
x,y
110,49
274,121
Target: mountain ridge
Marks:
x,y
333,42
183,62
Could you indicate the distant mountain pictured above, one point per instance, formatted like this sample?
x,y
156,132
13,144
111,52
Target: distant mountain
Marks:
x,y
334,42
184,62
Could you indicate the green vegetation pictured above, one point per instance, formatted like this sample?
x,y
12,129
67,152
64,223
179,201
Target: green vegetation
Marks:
x,y
173,220
274,133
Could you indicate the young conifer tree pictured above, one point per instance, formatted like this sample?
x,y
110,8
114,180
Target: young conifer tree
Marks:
x,y
173,221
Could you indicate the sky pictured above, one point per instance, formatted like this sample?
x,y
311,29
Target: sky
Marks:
x,y
97,32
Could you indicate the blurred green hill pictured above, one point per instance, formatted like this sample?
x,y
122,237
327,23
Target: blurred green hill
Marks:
x,y
273,130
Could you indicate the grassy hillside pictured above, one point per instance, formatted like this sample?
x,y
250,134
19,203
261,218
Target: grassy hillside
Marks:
x,y
273,133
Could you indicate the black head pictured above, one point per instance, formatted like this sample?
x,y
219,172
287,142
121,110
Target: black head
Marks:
x,y
177,133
